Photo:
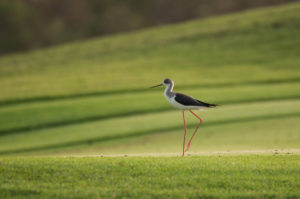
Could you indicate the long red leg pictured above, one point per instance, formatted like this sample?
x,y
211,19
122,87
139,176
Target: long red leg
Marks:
x,y
189,143
184,133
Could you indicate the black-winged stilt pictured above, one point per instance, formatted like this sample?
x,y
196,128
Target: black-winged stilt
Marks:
x,y
183,102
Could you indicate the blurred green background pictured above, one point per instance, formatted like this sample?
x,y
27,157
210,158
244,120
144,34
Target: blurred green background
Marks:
x,y
92,96
30,24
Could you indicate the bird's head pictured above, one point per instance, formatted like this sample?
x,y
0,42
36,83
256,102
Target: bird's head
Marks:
x,y
166,82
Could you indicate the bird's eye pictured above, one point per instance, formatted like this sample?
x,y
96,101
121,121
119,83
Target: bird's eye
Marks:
x,y
166,81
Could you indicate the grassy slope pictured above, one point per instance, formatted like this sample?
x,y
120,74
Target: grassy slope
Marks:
x,y
251,62
253,135
71,111
242,61
150,124
248,176
249,46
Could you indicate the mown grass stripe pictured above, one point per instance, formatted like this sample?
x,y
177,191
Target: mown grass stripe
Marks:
x,y
139,90
148,132
78,121
119,115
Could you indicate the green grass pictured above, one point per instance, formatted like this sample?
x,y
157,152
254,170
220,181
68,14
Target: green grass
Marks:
x,y
251,46
252,135
93,98
81,110
140,125
248,176
69,96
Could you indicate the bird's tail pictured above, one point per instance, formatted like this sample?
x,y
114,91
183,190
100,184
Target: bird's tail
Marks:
x,y
207,104
212,105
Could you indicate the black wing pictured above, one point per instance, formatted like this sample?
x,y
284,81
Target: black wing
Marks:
x,y
190,101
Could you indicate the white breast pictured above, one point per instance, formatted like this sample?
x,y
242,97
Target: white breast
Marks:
x,y
175,104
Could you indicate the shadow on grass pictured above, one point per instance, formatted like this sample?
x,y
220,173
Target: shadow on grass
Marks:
x,y
143,133
4,192
119,115
139,90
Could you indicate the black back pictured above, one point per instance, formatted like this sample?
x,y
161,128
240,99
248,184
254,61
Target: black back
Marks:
x,y
190,101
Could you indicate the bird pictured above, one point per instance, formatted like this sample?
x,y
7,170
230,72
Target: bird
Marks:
x,y
184,102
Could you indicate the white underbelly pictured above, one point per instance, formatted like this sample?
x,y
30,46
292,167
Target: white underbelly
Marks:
x,y
175,104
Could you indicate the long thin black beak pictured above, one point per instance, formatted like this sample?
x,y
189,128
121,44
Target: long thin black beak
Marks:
x,y
156,86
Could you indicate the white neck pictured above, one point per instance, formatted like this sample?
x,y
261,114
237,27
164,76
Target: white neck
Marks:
x,y
168,90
